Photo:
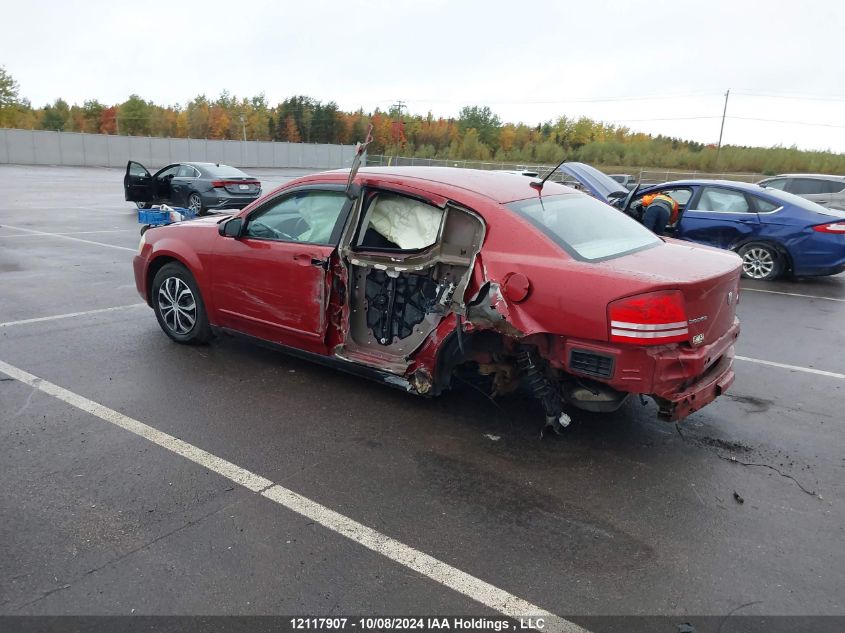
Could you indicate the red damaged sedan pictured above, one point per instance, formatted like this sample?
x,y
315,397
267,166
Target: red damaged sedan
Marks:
x,y
409,275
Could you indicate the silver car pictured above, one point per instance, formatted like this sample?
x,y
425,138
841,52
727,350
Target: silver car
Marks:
x,y
823,189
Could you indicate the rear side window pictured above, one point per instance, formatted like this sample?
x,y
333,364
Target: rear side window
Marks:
x,y
764,206
585,228
806,186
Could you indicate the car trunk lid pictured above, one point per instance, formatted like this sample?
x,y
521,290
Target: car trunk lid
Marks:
x,y
238,186
707,279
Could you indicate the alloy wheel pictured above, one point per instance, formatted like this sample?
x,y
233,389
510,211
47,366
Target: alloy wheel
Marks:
x,y
177,305
758,263
195,203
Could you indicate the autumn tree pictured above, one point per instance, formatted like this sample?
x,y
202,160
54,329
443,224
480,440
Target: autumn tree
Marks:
x,y
133,117
55,116
483,121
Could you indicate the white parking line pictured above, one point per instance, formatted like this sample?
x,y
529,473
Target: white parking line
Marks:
x,y
791,294
498,599
70,314
68,237
65,233
808,370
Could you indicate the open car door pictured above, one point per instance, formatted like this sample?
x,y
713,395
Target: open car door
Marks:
x,y
137,184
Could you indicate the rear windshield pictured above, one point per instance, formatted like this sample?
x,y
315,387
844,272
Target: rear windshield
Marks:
x,y
224,171
587,229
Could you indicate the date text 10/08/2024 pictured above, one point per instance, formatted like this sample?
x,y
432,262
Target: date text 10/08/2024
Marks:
x,y
416,623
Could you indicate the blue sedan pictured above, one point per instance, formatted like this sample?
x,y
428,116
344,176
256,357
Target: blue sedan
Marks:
x,y
774,232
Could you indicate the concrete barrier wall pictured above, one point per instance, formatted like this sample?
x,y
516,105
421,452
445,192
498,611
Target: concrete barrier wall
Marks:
x,y
39,147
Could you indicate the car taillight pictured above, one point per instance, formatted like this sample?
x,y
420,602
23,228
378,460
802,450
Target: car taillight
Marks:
x,y
833,227
226,183
653,318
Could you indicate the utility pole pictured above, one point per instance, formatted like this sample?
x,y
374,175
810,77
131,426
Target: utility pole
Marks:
x,y
243,125
397,107
722,129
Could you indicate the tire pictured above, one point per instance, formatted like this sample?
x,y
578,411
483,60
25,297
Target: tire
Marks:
x,y
143,205
761,261
195,203
174,281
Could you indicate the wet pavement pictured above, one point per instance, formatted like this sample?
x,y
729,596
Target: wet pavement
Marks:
x,y
623,515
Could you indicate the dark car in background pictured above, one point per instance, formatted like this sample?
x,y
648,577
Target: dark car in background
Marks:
x,y
826,190
774,231
196,186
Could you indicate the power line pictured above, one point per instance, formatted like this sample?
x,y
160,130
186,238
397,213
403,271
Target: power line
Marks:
x,y
798,97
745,118
652,97
680,118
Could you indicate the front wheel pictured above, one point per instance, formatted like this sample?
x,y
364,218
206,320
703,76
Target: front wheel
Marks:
x,y
178,305
143,205
761,261
195,204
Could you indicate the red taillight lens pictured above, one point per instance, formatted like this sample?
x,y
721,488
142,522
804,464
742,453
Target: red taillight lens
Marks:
x,y
226,183
653,318
834,227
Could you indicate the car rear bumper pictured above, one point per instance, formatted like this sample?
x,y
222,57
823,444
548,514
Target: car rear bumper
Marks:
x,y
681,379
712,384
224,200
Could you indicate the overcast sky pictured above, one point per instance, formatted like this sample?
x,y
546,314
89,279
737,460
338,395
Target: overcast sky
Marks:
x,y
529,62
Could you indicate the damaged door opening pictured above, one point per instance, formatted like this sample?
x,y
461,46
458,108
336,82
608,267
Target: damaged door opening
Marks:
x,y
409,264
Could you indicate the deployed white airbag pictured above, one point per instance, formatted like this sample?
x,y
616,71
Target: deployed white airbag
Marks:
x,y
408,223
320,212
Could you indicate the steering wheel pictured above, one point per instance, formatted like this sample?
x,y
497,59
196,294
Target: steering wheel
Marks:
x,y
271,230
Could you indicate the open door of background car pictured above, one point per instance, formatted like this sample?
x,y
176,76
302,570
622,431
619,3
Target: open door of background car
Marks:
x,y
138,184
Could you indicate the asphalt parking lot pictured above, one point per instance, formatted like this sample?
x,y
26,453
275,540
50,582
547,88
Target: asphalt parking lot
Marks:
x,y
623,515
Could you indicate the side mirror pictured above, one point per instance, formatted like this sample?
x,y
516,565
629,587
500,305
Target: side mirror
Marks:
x,y
231,228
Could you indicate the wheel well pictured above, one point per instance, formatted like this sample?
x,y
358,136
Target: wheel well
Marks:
x,y
451,354
156,265
780,248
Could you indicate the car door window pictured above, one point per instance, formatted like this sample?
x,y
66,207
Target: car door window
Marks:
x,y
833,186
722,201
777,183
313,217
138,170
186,171
681,196
805,186
170,172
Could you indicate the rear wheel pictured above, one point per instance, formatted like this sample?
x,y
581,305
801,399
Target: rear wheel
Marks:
x,y
195,204
761,261
143,205
178,305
